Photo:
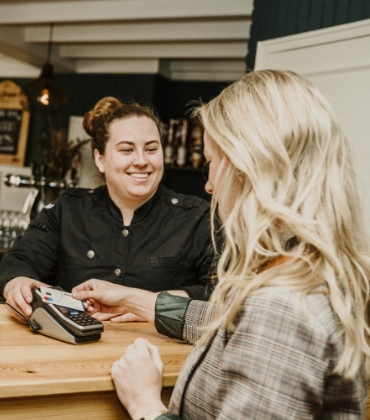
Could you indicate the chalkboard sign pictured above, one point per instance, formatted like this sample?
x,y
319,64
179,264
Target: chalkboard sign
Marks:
x,y
10,124
14,123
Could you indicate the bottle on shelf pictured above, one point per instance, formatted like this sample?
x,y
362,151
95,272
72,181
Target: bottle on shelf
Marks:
x,y
182,149
169,148
197,146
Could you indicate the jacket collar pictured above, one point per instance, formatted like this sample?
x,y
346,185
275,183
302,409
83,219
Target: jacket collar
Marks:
x,y
140,213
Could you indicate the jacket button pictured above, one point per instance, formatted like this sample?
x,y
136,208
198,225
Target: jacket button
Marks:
x,y
90,254
117,272
174,200
125,232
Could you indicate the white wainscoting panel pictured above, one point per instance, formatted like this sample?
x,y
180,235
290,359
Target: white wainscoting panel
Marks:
x,y
337,61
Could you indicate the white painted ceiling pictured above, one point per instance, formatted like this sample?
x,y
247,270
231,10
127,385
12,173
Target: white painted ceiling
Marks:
x,y
203,40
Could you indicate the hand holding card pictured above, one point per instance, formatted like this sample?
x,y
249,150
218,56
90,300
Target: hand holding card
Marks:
x,y
61,298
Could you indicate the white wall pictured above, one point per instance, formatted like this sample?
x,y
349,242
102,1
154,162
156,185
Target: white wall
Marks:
x,y
89,176
337,61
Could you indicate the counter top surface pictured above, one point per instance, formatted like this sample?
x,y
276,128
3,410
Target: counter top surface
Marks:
x,y
33,364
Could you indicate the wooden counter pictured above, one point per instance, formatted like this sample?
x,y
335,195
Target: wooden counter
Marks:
x,y
45,378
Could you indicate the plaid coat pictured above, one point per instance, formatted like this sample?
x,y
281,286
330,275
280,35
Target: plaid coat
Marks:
x,y
277,364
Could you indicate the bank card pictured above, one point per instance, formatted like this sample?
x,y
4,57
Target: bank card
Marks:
x,y
61,298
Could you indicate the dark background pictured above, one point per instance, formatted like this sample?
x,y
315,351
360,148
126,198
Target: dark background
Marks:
x,y
276,18
270,19
169,98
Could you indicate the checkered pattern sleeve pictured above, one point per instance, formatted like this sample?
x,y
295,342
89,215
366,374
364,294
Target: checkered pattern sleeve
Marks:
x,y
277,364
195,318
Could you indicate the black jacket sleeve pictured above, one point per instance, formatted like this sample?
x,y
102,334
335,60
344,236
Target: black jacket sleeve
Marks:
x,y
204,257
35,253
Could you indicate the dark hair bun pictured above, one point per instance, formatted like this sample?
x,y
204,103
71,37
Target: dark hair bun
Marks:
x,y
92,119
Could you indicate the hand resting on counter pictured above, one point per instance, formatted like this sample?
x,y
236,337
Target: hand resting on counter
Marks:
x,y
18,293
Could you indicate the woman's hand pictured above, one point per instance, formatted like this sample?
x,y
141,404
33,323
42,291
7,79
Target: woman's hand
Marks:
x,y
125,318
18,293
105,300
137,377
115,317
101,298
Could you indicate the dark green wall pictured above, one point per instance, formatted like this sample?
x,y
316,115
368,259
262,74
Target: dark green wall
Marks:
x,y
173,98
84,90
276,18
270,19
169,98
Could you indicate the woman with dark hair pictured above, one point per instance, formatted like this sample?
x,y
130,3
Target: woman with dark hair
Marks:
x,y
132,231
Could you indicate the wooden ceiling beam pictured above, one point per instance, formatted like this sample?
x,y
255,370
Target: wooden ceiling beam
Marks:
x,y
157,50
118,10
142,32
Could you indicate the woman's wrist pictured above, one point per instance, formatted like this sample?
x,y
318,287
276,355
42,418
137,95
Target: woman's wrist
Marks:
x,y
154,415
141,303
148,410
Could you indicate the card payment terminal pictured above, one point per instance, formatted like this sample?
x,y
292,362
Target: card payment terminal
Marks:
x,y
61,316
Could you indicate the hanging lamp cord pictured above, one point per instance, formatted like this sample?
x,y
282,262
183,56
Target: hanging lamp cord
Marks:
x,y
50,44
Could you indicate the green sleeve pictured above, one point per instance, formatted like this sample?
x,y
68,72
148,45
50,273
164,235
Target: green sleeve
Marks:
x,y
170,314
169,416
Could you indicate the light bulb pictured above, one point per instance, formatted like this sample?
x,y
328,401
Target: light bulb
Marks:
x,y
47,97
44,97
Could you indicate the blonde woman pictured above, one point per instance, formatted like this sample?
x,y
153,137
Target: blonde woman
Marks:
x,y
285,335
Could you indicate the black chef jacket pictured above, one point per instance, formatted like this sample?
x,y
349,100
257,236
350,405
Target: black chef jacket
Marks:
x,y
81,236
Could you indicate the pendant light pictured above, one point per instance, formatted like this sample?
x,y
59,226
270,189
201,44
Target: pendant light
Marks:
x,y
46,96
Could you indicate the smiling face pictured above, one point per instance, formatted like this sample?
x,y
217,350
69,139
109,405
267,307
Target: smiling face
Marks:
x,y
132,161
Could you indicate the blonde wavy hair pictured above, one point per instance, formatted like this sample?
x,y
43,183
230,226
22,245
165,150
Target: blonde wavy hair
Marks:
x,y
286,167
